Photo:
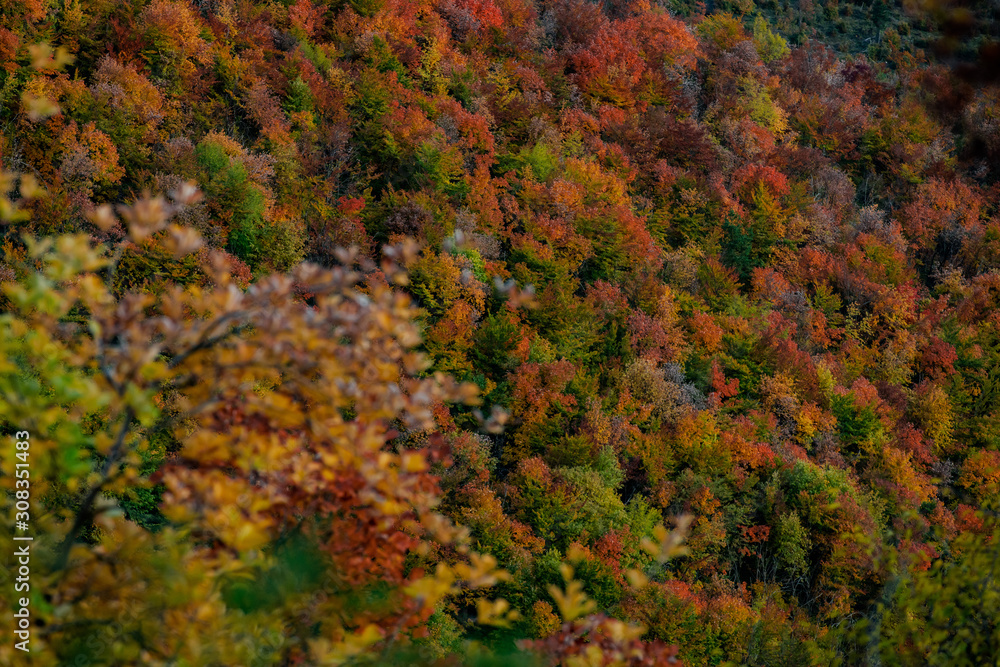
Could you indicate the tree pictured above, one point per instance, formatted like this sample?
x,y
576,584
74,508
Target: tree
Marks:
x,y
770,46
942,612
268,422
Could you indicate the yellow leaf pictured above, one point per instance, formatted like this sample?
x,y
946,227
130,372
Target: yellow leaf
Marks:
x,y
248,536
39,108
636,579
30,189
414,462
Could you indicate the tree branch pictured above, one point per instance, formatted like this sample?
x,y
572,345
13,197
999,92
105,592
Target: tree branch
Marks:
x,y
86,513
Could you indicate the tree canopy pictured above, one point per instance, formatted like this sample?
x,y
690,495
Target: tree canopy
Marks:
x,y
498,332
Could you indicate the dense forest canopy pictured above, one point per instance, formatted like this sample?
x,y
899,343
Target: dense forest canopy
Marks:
x,y
500,332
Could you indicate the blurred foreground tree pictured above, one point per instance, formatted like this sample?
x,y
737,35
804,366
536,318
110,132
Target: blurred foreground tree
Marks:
x,y
941,610
287,513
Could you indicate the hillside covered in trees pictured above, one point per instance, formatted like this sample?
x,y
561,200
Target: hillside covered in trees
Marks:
x,y
500,332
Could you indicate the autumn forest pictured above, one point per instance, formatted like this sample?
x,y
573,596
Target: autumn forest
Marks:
x,y
500,332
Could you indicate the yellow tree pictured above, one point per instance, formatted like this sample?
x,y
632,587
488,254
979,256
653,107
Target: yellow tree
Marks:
x,y
268,416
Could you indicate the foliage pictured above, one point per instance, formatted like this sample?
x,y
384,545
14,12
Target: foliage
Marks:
x,y
735,261
941,610
769,45
239,454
